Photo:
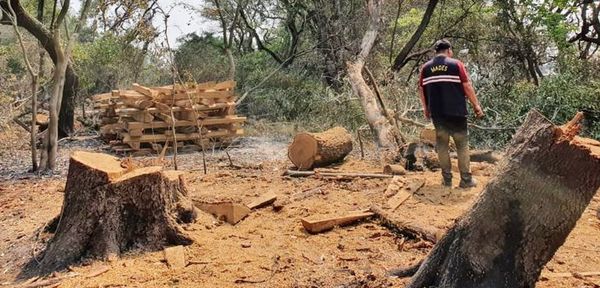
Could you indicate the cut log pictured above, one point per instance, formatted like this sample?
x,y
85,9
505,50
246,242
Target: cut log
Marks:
x,y
319,225
263,200
394,170
523,215
231,212
407,228
122,210
309,150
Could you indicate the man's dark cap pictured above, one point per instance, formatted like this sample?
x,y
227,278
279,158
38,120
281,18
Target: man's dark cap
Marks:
x,y
442,45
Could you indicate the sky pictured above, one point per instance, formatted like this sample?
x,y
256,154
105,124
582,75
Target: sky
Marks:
x,y
181,22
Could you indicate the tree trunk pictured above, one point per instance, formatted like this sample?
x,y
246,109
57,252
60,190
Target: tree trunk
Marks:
x,y
385,134
401,58
44,36
523,215
108,210
311,150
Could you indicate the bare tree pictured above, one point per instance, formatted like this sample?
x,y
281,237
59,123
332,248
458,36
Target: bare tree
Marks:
x,y
386,135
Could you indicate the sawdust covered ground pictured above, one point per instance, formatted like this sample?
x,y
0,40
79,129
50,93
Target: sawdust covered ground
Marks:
x,y
269,248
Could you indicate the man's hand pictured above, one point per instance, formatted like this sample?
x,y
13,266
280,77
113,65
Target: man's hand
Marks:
x,y
478,111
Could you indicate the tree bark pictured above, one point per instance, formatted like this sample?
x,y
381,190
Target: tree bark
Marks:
x,y
109,209
44,36
385,134
523,215
309,150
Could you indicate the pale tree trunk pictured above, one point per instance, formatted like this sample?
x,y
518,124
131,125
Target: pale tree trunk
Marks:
x,y
231,60
523,215
386,135
50,146
34,81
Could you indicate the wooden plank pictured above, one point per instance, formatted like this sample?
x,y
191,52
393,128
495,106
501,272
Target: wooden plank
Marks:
x,y
131,111
320,225
167,118
405,193
263,200
145,90
231,212
163,108
225,85
182,123
197,96
180,137
102,97
205,85
136,100
143,117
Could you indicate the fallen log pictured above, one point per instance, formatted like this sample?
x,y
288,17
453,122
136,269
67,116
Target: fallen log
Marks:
x,y
394,169
523,215
310,150
407,228
295,173
404,193
108,210
319,225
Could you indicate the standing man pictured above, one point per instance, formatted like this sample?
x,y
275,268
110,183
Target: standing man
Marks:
x,y
444,87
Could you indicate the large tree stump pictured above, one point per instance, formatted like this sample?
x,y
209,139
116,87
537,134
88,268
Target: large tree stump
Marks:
x,y
309,150
524,214
108,210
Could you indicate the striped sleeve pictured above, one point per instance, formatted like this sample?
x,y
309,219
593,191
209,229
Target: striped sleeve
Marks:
x,y
421,75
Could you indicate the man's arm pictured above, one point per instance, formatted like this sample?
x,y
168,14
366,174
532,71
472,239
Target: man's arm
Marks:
x,y
469,91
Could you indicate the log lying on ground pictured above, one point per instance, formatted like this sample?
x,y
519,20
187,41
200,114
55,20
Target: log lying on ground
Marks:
x,y
523,215
394,169
344,175
108,210
310,150
408,228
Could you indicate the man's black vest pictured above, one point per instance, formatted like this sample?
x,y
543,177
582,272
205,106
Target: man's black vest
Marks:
x,y
441,79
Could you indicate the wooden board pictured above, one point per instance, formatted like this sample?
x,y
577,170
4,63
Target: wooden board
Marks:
x,y
320,225
182,123
197,107
225,85
405,193
145,90
263,200
175,256
180,137
232,212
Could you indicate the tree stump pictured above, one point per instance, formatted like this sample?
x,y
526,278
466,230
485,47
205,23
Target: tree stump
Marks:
x,y
524,214
310,150
109,209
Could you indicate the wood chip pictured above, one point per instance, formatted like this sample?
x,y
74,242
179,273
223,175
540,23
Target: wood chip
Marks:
x,y
175,256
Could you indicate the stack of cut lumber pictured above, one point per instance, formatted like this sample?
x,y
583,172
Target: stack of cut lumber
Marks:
x,y
143,117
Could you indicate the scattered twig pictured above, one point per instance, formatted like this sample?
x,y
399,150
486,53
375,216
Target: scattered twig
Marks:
x,y
295,173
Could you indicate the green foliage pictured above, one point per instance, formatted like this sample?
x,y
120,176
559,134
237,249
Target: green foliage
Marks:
x,y
199,58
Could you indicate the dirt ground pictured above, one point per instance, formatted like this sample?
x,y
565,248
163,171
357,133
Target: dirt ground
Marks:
x,y
268,248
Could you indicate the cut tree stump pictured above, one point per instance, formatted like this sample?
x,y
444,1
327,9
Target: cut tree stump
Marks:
x,y
310,150
108,209
523,215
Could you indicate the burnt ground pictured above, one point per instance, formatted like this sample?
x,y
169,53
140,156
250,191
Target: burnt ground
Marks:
x,y
269,248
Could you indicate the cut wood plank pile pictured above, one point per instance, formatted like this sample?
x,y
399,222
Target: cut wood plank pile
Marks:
x,y
144,117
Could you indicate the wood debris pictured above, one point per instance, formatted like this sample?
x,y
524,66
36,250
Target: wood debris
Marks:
x,y
404,193
200,113
313,225
175,256
262,201
229,211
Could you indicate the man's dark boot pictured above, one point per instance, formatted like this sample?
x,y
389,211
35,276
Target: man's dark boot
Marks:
x,y
467,181
447,179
